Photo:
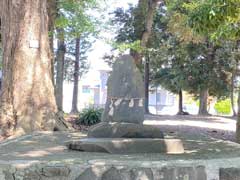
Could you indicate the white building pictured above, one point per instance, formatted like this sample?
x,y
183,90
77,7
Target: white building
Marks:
x,y
93,92
162,101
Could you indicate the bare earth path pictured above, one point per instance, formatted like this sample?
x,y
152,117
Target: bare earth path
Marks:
x,y
181,125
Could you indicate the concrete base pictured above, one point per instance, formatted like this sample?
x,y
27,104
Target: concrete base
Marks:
x,y
128,145
44,156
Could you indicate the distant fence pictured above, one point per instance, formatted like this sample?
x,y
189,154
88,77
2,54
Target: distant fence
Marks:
x,y
93,106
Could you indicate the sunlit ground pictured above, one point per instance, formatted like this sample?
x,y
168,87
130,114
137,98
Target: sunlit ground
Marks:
x,y
213,122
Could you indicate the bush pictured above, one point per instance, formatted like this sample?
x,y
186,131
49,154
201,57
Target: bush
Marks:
x,y
90,116
223,107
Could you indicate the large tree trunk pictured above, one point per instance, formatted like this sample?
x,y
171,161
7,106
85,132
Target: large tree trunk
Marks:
x,y
232,96
211,52
150,6
238,120
180,102
60,69
203,102
76,78
52,14
27,100
146,85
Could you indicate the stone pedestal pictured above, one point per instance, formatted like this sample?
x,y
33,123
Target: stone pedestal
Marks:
x,y
122,130
128,145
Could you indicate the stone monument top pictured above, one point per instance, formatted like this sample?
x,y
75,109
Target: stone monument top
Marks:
x,y
125,97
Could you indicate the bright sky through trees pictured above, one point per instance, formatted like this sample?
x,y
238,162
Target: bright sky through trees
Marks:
x,y
100,47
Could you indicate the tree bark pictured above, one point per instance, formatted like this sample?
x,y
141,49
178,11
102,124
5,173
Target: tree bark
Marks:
x,y
211,52
238,120
76,78
180,102
232,96
52,14
27,100
146,85
151,9
60,69
203,102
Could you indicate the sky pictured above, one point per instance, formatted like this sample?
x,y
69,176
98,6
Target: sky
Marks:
x,y
100,47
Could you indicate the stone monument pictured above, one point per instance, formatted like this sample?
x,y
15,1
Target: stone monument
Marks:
x,y
125,94
122,130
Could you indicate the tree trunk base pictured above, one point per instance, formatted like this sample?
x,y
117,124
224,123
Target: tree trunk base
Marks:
x,y
74,112
183,113
204,114
61,123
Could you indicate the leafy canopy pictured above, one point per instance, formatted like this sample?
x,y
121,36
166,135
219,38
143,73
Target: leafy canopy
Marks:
x,y
218,18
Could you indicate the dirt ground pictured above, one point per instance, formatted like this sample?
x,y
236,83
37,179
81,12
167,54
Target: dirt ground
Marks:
x,y
211,126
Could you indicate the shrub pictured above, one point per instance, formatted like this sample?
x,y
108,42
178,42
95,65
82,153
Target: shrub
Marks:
x,y
223,106
90,116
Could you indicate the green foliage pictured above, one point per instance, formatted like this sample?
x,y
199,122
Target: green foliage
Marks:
x,y
136,46
172,74
197,103
85,47
180,57
90,116
178,22
215,18
207,64
223,106
123,22
74,17
130,25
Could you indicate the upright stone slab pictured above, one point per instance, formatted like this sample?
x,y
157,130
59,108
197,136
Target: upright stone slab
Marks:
x,y
125,97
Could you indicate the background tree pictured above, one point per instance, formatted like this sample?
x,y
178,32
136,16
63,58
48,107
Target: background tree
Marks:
x,y
60,61
137,23
178,25
84,65
220,19
169,70
52,14
75,21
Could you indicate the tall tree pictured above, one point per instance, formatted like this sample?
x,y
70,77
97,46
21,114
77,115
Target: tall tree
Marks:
x,y
221,20
76,78
80,27
52,14
147,9
27,100
136,30
60,59
178,25
73,20
143,23
170,69
232,95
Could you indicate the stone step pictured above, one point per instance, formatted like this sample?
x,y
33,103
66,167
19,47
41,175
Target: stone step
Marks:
x,y
127,145
124,130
